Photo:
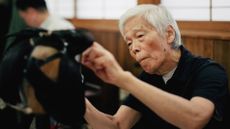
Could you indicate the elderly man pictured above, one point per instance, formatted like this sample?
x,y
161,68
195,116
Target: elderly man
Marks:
x,y
175,90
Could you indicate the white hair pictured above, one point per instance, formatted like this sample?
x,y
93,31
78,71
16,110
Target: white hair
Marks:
x,y
156,15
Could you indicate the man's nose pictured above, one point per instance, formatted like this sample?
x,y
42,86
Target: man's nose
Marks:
x,y
136,47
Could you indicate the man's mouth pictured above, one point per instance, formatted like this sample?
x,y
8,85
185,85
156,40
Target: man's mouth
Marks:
x,y
141,60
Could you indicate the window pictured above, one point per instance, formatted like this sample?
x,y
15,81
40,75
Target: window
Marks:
x,y
103,9
90,9
199,10
220,9
64,8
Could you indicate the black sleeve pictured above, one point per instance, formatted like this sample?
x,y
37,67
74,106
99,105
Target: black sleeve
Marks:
x,y
212,84
132,102
151,79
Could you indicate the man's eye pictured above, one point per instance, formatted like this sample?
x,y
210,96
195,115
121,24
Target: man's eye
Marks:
x,y
129,44
139,36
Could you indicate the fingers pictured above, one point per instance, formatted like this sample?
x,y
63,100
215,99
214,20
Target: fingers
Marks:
x,y
102,62
87,54
97,64
90,55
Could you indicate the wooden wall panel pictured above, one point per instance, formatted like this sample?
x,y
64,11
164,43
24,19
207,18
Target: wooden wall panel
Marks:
x,y
122,50
199,46
222,54
108,100
107,39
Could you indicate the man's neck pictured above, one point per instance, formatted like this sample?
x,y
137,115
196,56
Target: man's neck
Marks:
x,y
171,62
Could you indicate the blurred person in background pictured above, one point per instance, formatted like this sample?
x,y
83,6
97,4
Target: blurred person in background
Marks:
x,y
36,14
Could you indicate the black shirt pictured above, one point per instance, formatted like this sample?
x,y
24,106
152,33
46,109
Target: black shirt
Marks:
x,y
194,76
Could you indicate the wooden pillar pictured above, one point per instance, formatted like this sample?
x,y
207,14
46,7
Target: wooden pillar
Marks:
x,y
75,8
149,1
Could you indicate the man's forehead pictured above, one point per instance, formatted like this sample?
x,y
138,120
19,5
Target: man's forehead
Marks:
x,y
133,29
140,26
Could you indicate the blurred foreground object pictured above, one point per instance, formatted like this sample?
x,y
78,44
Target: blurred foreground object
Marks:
x,y
39,75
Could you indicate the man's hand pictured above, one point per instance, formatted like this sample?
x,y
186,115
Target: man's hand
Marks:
x,y
103,63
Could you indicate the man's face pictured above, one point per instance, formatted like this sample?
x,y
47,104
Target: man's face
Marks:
x,y
145,44
28,17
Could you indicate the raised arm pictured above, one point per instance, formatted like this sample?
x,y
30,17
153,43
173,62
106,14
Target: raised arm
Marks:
x,y
125,118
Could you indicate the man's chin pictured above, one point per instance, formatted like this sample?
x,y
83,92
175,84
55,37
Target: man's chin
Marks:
x,y
149,71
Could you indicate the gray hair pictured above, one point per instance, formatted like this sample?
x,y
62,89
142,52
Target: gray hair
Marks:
x,y
157,16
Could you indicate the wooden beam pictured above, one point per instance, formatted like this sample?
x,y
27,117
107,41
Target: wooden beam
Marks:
x,y
205,25
96,24
212,30
205,29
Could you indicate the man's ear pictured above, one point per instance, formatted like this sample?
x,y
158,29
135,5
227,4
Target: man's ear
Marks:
x,y
170,34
